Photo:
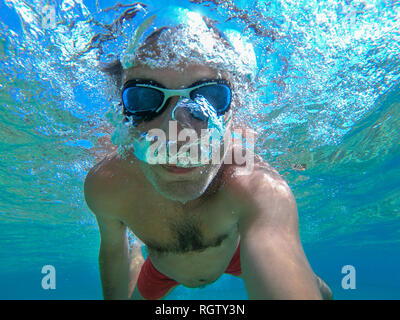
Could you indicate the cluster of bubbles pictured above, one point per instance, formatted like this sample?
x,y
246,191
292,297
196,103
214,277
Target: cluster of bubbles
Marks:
x,y
184,37
156,147
190,40
321,65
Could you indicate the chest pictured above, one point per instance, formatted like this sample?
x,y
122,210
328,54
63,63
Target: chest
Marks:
x,y
168,227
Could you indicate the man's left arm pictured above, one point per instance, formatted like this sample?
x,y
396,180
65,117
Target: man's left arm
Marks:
x,y
274,265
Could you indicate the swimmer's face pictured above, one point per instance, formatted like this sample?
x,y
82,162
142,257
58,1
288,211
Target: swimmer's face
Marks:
x,y
176,183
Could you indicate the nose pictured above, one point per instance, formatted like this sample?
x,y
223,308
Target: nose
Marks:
x,y
186,113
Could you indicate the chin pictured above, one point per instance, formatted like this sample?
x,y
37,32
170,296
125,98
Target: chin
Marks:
x,y
180,187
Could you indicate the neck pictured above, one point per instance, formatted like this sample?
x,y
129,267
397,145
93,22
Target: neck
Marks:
x,y
211,190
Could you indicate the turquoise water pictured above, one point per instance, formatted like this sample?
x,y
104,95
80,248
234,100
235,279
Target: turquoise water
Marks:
x,y
328,119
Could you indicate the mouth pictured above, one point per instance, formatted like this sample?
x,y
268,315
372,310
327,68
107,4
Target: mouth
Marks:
x,y
178,170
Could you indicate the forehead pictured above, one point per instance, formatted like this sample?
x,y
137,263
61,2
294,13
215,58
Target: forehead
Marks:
x,y
174,77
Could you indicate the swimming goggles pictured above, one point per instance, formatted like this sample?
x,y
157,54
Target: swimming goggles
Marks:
x,y
145,99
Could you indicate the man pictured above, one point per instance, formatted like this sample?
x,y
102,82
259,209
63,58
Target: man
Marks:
x,y
198,220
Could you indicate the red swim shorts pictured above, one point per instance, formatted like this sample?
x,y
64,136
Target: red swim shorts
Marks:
x,y
153,285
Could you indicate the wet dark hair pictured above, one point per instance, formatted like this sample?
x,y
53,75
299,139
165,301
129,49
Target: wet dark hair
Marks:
x,y
115,70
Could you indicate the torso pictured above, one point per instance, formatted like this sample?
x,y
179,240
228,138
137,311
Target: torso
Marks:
x,y
190,245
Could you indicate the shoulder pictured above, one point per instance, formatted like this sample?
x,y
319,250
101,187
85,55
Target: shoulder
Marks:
x,y
97,185
104,183
264,193
268,181
259,177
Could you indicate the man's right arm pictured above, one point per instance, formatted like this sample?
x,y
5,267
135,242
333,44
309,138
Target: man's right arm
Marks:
x,y
114,248
113,258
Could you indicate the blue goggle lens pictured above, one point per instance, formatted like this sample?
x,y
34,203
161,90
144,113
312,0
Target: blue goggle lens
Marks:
x,y
142,99
218,95
143,102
